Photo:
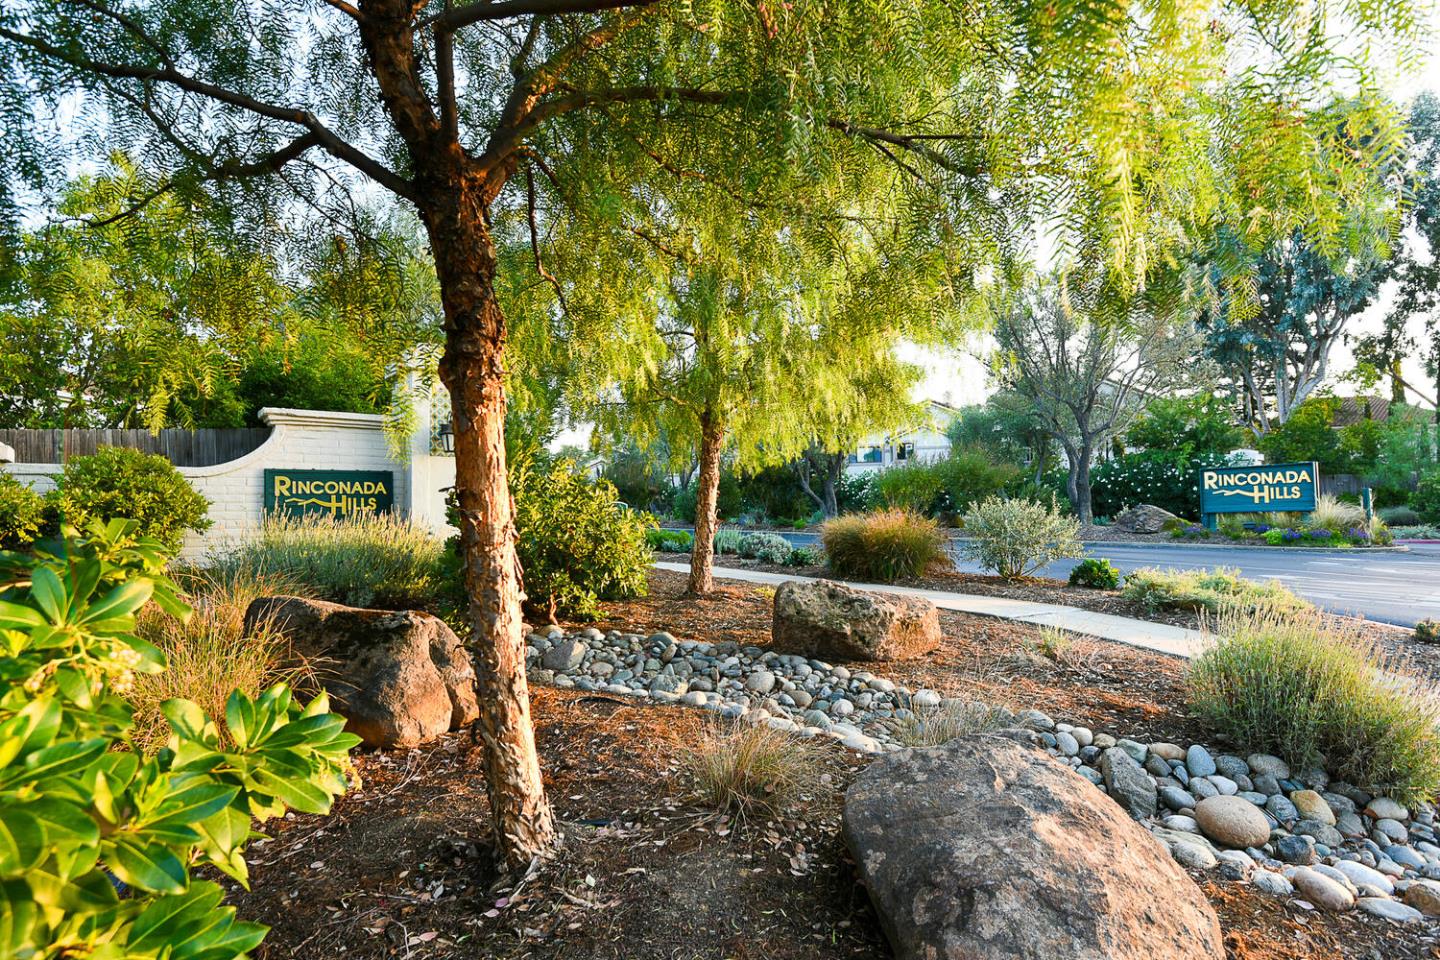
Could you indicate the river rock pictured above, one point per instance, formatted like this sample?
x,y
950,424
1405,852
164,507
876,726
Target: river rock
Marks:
x,y
1127,784
399,678
1232,822
985,847
833,621
1325,892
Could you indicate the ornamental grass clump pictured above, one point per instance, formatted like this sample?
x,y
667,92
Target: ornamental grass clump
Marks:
x,y
211,653
1314,692
1014,538
952,719
1208,591
885,546
361,560
752,769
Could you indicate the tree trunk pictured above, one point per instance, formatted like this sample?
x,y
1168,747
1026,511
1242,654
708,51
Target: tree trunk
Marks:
x,y
835,469
702,553
473,371
1084,507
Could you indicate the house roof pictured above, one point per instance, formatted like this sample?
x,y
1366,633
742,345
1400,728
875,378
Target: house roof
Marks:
x,y
1352,410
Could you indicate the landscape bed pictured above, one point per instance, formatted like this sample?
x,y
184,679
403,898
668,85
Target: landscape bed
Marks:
x,y
651,872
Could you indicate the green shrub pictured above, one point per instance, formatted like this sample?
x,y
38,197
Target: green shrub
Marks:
x,y
1427,631
1294,685
1014,538
915,486
1426,499
362,560
120,482
885,546
727,540
22,514
577,545
1399,516
669,541
1421,532
968,476
1096,573
82,807
765,547
1213,591
728,501
804,557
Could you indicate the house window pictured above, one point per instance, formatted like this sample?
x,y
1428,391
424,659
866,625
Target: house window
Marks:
x,y
904,451
870,455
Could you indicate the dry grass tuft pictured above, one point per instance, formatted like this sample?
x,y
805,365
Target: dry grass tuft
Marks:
x,y
752,770
932,726
212,653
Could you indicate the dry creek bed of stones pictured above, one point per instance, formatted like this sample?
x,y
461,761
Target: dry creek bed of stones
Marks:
x,y
1297,835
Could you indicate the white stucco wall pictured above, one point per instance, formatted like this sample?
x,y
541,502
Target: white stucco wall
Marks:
x,y
299,440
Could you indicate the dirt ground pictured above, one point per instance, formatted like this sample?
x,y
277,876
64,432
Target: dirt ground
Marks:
x,y
401,867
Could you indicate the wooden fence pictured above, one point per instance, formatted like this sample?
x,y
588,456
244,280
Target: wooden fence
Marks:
x,y
184,448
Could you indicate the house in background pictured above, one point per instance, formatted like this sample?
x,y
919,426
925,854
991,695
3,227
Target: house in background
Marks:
x,y
924,441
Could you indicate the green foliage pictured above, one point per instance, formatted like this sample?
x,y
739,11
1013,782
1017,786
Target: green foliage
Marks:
x,y
170,317
577,545
669,541
728,503
765,547
727,541
884,546
805,557
1014,538
1426,499
1199,425
1211,591
121,482
1096,573
81,805
1160,478
1313,692
1427,631
1003,426
915,486
774,493
640,479
1399,516
1309,434
22,514
361,559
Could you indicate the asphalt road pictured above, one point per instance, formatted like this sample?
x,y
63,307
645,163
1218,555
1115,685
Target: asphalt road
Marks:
x,y
1392,587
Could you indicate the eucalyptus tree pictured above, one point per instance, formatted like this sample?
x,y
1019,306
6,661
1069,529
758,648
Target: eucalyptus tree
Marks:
x,y
496,119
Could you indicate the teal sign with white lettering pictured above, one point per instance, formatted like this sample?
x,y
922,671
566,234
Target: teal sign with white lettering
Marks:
x,y
1280,488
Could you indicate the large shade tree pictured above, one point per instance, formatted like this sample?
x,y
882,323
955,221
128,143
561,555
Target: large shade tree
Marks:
x,y
486,117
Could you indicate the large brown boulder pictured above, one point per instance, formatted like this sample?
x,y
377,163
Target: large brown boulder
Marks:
x,y
399,678
1143,518
821,618
986,847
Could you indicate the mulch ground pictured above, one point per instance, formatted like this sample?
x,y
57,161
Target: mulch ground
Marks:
x,y
401,867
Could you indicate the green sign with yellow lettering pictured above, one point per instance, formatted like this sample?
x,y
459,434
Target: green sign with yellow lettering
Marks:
x,y
338,493
1280,487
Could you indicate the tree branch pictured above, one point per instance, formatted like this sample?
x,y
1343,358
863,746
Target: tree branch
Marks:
x,y
505,9
325,137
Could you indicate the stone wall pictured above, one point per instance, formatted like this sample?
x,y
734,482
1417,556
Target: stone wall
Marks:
x,y
301,440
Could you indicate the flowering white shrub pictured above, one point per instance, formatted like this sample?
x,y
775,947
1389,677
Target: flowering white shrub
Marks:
x,y
1015,538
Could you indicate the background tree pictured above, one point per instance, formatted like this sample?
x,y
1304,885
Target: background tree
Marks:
x,y
165,317
1199,424
1085,362
1004,427
1276,339
494,119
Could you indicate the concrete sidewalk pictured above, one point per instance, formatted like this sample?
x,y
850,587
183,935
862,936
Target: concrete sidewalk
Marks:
x,y
1160,637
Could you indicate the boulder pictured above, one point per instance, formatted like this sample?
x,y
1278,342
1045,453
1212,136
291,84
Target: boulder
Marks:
x,y
1143,518
831,621
399,678
987,847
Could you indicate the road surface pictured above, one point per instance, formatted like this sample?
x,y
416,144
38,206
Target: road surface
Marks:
x,y
1392,587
